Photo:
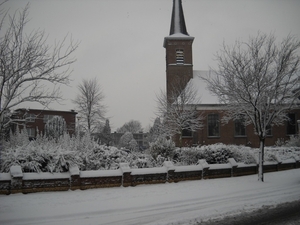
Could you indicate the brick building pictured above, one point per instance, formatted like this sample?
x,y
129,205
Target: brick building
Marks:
x,y
180,73
35,119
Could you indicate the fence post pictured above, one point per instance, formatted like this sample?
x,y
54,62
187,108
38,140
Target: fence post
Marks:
x,y
75,181
205,168
297,163
126,174
170,171
234,166
279,162
16,179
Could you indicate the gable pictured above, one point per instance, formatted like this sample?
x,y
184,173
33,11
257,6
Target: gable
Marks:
x,y
203,95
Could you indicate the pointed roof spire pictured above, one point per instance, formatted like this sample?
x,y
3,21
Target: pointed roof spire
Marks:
x,y
177,20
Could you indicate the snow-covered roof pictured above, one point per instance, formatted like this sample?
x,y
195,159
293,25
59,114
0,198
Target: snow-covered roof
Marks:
x,y
178,29
177,20
203,95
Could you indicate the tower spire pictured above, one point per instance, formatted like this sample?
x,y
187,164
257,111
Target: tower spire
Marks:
x,y
179,58
177,19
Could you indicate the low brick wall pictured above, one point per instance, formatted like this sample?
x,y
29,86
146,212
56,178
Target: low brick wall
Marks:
x,y
148,176
270,167
100,179
183,173
18,182
244,169
5,180
287,165
38,182
218,171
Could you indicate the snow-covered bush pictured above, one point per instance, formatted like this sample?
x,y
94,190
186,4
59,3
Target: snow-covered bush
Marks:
x,y
213,154
127,141
187,156
55,127
272,154
216,154
50,155
294,141
162,147
18,138
242,154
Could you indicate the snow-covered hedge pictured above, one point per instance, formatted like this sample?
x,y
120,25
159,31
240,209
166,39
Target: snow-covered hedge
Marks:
x,y
162,148
214,154
57,155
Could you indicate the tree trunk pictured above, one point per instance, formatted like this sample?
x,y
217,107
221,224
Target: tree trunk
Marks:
x,y
261,159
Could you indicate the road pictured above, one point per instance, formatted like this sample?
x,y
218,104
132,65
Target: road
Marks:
x,y
282,214
187,202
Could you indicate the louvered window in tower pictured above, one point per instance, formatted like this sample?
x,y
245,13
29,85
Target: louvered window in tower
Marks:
x,y
179,56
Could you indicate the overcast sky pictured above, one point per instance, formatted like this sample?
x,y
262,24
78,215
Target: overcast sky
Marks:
x,y
122,41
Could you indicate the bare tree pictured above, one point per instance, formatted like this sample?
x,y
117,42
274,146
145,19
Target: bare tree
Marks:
x,y
178,111
89,103
259,80
30,70
133,126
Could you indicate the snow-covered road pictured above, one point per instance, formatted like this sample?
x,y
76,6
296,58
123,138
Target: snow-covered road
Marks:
x,y
170,203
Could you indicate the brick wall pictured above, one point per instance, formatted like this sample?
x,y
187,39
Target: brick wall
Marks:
x,y
227,132
39,120
18,182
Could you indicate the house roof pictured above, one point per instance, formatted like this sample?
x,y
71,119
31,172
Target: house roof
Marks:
x,y
177,19
203,95
44,110
178,28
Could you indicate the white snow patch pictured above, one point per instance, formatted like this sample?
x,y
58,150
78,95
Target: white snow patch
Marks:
x,y
100,173
188,168
74,170
204,96
219,166
171,203
5,176
16,171
245,165
45,176
154,170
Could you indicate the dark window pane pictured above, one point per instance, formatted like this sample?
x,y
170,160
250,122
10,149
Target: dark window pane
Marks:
x,y
187,133
291,124
240,129
213,125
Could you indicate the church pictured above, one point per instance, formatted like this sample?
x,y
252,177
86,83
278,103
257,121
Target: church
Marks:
x,y
180,73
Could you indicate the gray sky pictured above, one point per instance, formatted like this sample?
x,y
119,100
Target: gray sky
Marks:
x,y
122,41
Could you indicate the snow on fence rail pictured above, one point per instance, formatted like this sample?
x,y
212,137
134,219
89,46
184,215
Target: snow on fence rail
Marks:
x,y
18,182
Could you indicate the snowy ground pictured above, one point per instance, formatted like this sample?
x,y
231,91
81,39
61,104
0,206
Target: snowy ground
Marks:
x,y
171,203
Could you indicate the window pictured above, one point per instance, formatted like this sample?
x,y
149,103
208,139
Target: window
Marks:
x,y
30,117
30,132
269,130
187,133
291,124
47,118
179,56
239,125
213,125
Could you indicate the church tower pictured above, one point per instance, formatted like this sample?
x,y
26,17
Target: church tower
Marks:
x,y
178,45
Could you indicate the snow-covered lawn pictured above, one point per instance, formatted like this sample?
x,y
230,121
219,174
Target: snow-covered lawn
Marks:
x,y
170,203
